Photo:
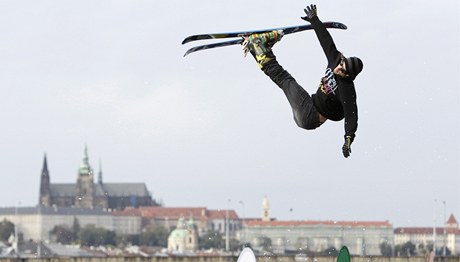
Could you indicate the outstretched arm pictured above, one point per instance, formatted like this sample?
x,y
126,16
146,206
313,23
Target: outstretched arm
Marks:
x,y
351,118
324,37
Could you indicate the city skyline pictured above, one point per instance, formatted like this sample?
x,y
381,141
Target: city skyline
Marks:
x,y
240,210
211,127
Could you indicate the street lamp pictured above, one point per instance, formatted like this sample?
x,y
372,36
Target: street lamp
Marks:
x,y
243,223
434,226
444,252
227,240
16,228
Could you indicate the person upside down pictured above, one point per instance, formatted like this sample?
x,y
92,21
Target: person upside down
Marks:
x,y
335,98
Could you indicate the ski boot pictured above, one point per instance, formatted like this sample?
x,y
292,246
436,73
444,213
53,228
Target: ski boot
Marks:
x,y
259,45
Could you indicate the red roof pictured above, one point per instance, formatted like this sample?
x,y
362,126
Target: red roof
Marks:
x,y
255,223
452,220
220,214
173,212
425,230
451,228
198,213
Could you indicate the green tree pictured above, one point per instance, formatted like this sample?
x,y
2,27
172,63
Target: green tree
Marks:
x,y
385,249
235,245
331,251
6,229
76,229
212,239
429,247
266,244
62,234
407,249
155,236
123,240
422,249
440,251
90,235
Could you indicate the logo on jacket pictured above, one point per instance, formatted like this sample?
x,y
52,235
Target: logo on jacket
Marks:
x,y
328,84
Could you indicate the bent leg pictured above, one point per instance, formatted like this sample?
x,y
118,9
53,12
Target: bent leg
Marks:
x,y
305,114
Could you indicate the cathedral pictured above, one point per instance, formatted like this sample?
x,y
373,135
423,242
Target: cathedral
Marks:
x,y
86,193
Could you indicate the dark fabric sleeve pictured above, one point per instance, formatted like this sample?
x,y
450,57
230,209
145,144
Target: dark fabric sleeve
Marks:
x,y
326,41
350,110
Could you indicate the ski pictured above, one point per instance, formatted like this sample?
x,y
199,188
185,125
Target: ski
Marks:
x,y
214,45
344,255
286,30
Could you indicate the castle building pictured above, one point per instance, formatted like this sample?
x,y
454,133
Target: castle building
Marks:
x,y
86,193
361,237
447,236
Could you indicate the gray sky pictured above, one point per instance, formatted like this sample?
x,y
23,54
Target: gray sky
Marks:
x,y
211,127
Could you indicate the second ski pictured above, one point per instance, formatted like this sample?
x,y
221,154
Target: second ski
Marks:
x,y
286,30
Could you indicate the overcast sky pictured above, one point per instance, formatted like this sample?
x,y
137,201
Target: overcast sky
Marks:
x,y
211,127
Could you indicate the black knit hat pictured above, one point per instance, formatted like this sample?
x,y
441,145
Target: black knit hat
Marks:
x,y
354,66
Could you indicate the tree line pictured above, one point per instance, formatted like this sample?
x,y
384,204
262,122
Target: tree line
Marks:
x,y
90,235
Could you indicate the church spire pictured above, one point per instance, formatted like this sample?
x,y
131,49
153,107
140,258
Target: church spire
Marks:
x,y
99,175
85,168
45,172
44,197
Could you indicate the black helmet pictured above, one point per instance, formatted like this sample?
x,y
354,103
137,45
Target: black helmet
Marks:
x,y
354,66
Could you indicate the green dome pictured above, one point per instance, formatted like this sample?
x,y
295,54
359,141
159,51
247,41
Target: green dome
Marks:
x,y
180,232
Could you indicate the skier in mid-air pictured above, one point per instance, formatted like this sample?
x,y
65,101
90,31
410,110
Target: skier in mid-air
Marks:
x,y
335,98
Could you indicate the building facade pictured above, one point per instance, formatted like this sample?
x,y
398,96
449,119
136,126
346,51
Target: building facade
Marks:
x,y
362,238
204,219
424,237
86,193
35,223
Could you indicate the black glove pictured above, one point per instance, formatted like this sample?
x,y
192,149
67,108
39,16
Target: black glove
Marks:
x,y
310,12
346,148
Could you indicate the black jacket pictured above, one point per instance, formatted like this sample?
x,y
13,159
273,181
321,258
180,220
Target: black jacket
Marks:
x,y
336,97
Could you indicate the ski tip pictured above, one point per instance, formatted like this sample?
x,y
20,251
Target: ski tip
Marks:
x,y
335,25
191,38
344,255
188,52
341,26
185,41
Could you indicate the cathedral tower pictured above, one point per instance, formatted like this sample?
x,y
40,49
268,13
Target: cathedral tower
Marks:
x,y
45,192
85,184
91,192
